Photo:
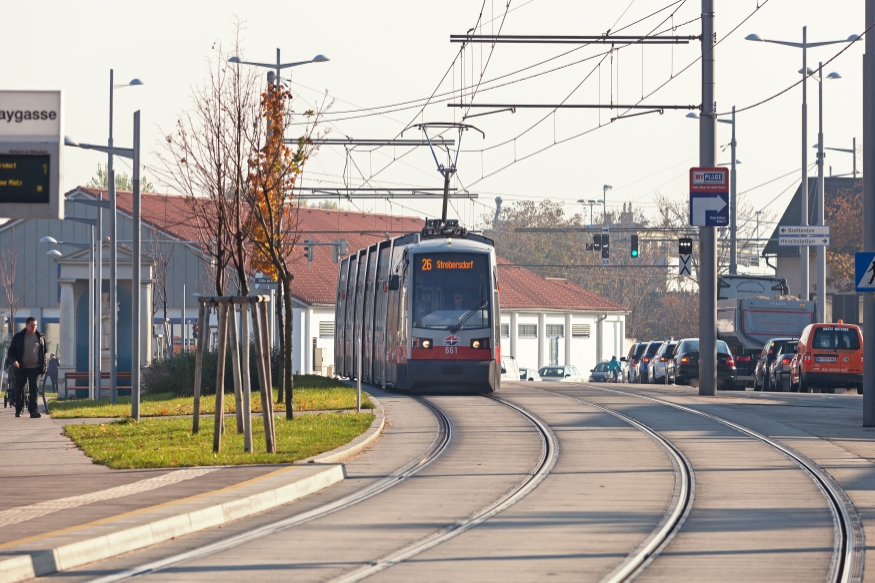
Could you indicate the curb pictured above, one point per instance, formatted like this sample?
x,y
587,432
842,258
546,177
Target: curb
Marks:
x,y
357,445
161,528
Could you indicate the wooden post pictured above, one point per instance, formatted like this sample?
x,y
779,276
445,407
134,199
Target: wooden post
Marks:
x,y
220,376
235,364
265,339
244,373
202,313
266,393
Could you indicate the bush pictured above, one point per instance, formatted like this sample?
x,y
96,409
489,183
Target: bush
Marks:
x,y
175,374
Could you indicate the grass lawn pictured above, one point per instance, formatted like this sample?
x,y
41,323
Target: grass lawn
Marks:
x,y
311,393
168,443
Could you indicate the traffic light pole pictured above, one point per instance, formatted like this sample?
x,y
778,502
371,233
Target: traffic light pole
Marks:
x,y
708,235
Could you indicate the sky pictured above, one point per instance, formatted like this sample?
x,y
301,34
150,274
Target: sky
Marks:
x,y
389,52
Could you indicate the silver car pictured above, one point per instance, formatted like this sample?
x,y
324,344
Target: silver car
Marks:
x,y
529,374
601,373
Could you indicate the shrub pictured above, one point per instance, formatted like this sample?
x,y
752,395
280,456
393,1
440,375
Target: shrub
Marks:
x,y
175,374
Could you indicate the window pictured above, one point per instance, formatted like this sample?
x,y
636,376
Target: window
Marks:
x,y
578,330
555,330
505,330
326,329
528,330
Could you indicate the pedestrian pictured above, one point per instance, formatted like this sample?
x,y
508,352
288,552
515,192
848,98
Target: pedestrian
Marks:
x,y
52,371
28,355
615,368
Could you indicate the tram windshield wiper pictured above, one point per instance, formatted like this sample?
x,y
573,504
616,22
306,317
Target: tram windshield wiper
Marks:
x,y
455,328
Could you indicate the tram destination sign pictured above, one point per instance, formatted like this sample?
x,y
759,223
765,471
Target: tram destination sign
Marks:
x,y
31,165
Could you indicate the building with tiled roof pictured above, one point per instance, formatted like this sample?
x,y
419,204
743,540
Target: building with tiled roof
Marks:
x,y
548,320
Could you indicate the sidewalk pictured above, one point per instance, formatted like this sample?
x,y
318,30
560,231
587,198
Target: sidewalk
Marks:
x,y
59,510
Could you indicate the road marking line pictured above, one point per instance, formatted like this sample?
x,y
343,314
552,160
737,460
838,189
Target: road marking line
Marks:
x,y
17,515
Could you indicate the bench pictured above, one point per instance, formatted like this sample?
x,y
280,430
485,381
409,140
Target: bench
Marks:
x,y
123,383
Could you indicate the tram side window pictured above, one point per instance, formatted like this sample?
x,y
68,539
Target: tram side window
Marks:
x,y
450,289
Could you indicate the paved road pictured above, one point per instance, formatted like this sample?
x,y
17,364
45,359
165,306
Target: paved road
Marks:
x,y
756,516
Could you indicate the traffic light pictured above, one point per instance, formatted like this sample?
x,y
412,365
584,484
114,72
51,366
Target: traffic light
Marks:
x,y
633,249
596,242
195,331
606,250
335,253
344,247
685,246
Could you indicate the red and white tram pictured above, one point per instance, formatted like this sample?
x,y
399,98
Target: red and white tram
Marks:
x,y
423,311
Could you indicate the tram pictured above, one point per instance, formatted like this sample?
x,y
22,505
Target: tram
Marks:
x,y
420,312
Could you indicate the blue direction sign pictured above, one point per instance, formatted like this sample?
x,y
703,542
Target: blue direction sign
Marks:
x,y
864,271
709,197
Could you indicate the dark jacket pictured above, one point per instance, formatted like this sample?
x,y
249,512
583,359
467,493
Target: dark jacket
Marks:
x,y
16,349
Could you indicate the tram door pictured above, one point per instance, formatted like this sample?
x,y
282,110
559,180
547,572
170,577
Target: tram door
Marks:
x,y
380,313
340,316
368,329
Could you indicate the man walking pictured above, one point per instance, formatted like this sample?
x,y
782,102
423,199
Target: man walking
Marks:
x,y
52,371
28,355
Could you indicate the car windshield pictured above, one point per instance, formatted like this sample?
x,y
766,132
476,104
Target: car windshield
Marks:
x,y
601,367
552,371
790,347
639,350
447,287
669,348
836,339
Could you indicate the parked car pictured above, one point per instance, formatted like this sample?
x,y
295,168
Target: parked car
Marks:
x,y
566,373
510,370
779,370
529,374
630,362
601,373
657,365
828,356
768,354
683,368
646,359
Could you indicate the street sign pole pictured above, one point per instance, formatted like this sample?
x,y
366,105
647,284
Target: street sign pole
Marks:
x,y
869,214
708,235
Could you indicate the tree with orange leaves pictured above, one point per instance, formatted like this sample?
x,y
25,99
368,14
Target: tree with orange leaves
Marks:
x,y
272,225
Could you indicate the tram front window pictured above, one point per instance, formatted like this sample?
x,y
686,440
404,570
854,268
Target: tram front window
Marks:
x,y
450,289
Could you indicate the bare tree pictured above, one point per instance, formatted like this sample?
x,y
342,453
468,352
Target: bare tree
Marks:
x,y
160,248
13,290
207,159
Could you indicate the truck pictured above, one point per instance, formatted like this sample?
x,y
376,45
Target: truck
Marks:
x,y
753,309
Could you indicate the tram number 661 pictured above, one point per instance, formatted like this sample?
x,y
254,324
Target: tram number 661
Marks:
x,y
451,350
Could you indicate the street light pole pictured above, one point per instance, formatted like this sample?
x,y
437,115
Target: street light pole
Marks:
x,y
869,213
803,251
136,304
605,190
733,210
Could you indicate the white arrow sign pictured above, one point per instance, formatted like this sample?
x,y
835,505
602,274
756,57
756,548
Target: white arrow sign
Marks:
x,y
804,230
702,205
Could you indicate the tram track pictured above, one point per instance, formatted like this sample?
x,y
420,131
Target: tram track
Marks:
x,y
542,468
849,541
442,440
677,511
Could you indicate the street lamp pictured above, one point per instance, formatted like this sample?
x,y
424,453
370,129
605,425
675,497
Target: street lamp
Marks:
x,y
804,45
278,65
136,307
852,150
821,254
605,190
733,214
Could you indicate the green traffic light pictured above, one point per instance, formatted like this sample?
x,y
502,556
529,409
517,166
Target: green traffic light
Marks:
x,y
634,252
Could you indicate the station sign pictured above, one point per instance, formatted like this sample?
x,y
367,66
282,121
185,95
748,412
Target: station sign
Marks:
x,y
803,231
709,197
803,241
31,155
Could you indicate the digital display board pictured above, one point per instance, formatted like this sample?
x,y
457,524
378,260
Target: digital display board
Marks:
x,y
25,178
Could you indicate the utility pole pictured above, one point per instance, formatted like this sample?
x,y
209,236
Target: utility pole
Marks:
x,y
708,235
804,284
733,209
869,213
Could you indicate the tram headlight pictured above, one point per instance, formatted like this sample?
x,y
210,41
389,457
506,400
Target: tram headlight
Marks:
x,y
424,343
477,343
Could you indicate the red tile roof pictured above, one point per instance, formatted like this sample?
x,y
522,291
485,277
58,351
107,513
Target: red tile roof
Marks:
x,y
520,288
